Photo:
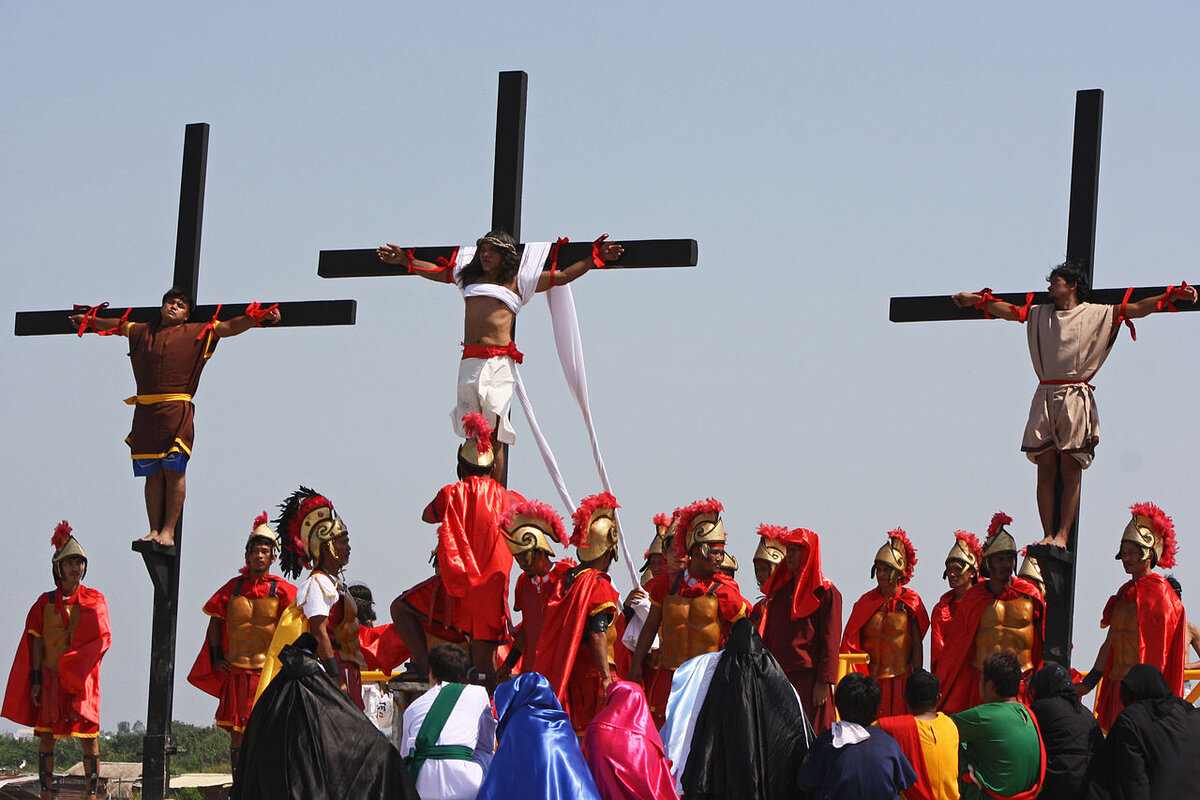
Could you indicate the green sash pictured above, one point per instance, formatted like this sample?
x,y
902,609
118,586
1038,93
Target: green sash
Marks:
x,y
426,747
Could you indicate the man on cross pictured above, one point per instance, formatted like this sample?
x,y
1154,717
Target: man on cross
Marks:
x,y
496,282
1069,339
167,357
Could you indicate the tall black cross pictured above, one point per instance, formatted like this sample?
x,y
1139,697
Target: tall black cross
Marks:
x,y
506,210
163,565
1058,567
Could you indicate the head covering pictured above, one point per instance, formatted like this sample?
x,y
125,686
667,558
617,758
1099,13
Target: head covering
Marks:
x,y
898,553
537,752
309,525
529,525
729,564
259,529
307,739
623,748
1053,680
804,600
770,546
1031,570
999,540
595,532
662,523
1153,532
698,526
967,550
1144,683
65,546
476,452
751,734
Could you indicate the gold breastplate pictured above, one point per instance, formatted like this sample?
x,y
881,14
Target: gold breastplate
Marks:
x,y
887,640
691,626
56,637
346,633
1123,640
249,626
1007,626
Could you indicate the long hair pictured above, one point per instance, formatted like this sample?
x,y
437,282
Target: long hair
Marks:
x,y
510,261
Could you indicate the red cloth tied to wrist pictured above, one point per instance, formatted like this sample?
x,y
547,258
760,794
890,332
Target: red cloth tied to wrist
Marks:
x,y
491,351
257,311
1121,317
412,254
1023,312
212,323
985,297
447,263
1173,293
553,257
89,314
598,260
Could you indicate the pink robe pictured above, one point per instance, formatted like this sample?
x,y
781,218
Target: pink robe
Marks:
x,y
624,751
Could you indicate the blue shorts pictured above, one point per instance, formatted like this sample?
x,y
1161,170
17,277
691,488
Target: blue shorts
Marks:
x,y
176,461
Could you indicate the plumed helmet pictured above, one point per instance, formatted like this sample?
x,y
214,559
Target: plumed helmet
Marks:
x,y
1153,532
729,563
1031,570
698,526
595,532
476,452
898,553
999,540
260,530
770,544
309,524
530,525
658,545
65,546
966,549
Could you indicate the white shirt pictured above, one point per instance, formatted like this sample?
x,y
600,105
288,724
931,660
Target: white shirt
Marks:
x,y
317,595
470,724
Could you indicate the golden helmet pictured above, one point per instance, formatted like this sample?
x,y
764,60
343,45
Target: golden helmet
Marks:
x,y
1031,570
310,525
898,553
476,452
259,529
730,563
1153,532
999,540
529,525
966,549
699,525
769,548
595,531
65,546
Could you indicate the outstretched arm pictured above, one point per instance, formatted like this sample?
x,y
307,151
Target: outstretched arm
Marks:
x,y
97,323
232,327
398,256
606,251
1144,308
997,308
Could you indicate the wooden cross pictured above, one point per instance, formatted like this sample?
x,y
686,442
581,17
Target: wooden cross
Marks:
x,y
162,564
506,212
1058,567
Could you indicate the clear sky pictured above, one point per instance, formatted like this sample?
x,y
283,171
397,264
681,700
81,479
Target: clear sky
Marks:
x,y
826,156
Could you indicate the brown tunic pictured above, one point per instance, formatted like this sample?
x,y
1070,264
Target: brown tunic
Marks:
x,y
165,360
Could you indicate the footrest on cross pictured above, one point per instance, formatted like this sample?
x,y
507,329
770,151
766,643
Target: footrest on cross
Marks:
x,y
1049,556
159,563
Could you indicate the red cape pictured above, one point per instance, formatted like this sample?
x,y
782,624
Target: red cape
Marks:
x,y
1162,639
78,667
473,560
382,647
563,625
873,601
903,729
960,680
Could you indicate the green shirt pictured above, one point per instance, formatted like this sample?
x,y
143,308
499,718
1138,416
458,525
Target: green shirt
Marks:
x,y
1000,743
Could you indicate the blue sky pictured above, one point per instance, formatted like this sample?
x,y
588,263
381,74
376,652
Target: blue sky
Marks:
x,y
825,156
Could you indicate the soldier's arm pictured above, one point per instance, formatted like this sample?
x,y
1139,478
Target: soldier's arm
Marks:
x,y
215,636
918,651
37,649
595,638
1093,677
645,638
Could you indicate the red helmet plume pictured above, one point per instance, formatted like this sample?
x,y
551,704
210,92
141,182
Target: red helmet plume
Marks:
x,y
772,531
538,510
971,543
62,532
910,552
999,520
583,515
476,427
662,519
1164,529
684,518
261,519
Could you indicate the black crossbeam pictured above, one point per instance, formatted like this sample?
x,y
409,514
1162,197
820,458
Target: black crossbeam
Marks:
x,y
296,314
639,254
940,308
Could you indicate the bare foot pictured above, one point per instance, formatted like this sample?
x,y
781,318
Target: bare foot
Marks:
x,y
166,539
152,536
1059,541
1050,540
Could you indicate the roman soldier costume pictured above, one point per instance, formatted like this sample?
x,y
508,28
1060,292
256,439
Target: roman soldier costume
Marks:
x,y
1010,620
889,629
1145,617
74,634
770,552
966,553
528,528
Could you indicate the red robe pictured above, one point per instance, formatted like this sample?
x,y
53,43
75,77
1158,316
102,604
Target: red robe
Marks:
x,y
78,668
473,560
865,608
558,657
531,598
1162,639
959,678
203,675
939,623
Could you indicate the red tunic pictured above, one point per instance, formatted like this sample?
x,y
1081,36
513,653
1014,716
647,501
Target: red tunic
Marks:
x,y
531,597
959,678
235,688
865,608
807,647
939,622
1162,639
574,675
71,692
166,360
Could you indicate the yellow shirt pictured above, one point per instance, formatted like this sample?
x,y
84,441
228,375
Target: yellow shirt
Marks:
x,y
939,746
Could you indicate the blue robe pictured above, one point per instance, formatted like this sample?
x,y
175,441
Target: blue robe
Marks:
x,y
537,752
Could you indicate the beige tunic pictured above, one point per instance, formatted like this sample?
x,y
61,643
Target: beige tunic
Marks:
x,y
1066,346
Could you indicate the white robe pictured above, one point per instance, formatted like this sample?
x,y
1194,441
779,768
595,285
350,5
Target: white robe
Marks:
x,y
470,724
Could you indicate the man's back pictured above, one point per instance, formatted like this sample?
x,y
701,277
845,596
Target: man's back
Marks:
x,y
873,769
470,724
1001,746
